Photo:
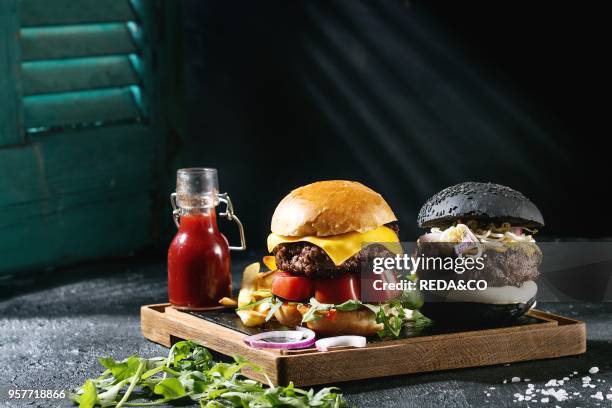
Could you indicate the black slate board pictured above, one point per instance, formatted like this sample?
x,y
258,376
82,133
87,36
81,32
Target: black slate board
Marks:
x,y
228,318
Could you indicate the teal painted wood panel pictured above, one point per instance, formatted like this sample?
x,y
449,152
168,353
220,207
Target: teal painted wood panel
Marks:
x,y
108,158
82,108
89,231
78,74
42,43
76,195
44,12
10,98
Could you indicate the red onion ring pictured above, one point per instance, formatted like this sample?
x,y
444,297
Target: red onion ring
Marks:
x,y
302,337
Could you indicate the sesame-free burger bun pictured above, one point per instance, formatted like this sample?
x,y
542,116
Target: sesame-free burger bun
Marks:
x,y
330,207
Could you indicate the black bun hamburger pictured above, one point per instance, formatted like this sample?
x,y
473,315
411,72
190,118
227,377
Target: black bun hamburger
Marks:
x,y
498,224
318,236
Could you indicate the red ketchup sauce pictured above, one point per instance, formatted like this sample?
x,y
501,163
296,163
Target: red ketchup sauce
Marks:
x,y
198,263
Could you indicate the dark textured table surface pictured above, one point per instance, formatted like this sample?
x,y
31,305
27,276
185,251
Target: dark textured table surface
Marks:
x,y
52,331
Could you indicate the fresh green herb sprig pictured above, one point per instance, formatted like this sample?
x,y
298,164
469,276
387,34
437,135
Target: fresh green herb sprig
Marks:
x,y
189,373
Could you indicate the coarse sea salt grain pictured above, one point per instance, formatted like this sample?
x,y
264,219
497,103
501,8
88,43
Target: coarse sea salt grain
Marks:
x,y
598,395
551,383
560,395
515,379
609,397
593,370
545,399
586,379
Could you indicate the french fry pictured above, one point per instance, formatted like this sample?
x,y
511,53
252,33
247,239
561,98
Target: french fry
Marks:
x,y
228,302
264,279
249,281
249,293
251,318
255,286
260,294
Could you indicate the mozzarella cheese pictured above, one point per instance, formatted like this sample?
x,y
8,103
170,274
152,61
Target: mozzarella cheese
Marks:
x,y
342,247
496,295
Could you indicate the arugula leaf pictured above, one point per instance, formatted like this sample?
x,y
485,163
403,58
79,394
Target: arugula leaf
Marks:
x,y
225,370
181,351
170,388
349,305
121,370
108,397
315,306
89,397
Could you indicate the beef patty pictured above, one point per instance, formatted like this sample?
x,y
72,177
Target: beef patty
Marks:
x,y
518,263
306,259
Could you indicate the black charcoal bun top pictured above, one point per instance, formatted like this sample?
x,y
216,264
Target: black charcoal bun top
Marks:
x,y
486,202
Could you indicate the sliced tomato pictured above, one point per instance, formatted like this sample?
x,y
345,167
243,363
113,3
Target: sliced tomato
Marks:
x,y
338,290
290,287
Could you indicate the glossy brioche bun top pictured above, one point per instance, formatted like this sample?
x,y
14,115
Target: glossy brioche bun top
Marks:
x,y
330,207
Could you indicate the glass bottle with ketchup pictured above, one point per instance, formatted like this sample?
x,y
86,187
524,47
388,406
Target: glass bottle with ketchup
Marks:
x,y
199,273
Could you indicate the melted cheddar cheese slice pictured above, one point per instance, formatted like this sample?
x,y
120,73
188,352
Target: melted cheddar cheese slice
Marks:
x,y
342,247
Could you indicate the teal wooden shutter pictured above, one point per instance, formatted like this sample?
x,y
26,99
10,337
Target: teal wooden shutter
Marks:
x,y
82,63
82,150
10,104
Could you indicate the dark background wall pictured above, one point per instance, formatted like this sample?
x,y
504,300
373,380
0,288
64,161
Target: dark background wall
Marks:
x,y
406,97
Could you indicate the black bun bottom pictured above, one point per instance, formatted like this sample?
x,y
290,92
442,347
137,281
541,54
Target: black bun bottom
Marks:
x,y
472,313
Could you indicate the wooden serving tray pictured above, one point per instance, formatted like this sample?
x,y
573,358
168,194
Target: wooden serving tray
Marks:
x,y
537,335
